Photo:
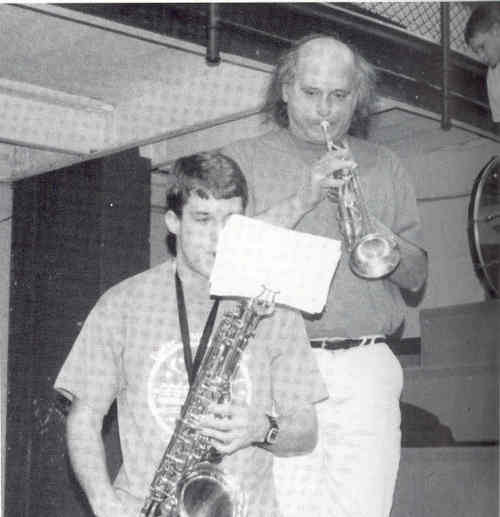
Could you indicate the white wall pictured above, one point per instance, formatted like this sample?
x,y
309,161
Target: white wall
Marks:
x,y
443,166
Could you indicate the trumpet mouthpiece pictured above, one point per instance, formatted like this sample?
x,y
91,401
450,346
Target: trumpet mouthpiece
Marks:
x,y
329,142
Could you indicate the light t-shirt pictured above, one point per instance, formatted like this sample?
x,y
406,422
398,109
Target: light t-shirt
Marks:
x,y
275,165
130,349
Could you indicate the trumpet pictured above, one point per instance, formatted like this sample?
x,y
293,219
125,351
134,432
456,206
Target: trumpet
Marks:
x,y
371,254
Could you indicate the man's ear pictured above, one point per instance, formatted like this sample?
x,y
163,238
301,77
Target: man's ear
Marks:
x,y
284,92
172,222
495,30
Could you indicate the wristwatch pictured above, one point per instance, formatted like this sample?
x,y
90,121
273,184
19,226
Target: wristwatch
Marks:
x,y
272,432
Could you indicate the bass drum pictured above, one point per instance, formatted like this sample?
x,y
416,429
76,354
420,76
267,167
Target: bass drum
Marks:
x,y
484,226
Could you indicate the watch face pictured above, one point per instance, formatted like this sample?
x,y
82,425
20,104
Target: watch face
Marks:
x,y
272,435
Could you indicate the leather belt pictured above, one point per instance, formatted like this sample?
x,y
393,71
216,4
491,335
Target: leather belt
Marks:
x,y
343,343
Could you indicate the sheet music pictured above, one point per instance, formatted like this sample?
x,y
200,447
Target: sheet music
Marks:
x,y
252,254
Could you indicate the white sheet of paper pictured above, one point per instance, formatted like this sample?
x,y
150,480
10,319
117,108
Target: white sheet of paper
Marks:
x,y
252,254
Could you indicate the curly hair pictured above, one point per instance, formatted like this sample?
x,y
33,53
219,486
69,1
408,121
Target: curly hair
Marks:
x,y
365,80
482,19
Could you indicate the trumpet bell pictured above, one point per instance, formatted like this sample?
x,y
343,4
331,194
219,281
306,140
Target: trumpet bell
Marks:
x,y
374,256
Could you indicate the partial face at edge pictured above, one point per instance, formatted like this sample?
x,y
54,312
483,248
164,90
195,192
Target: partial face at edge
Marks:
x,y
197,231
323,89
487,46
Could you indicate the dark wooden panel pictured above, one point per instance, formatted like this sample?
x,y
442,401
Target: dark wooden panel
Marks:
x,y
76,231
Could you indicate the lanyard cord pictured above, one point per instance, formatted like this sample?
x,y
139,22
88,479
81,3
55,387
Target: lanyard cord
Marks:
x,y
191,368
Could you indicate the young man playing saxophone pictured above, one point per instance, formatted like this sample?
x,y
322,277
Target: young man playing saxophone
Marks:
x,y
132,349
320,80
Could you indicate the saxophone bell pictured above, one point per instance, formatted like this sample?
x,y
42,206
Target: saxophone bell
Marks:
x,y
371,254
207,492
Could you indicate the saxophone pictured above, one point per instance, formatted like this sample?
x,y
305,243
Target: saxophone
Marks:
x,y
187,482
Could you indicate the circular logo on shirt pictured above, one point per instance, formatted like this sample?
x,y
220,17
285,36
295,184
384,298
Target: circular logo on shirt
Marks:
x,y
168,384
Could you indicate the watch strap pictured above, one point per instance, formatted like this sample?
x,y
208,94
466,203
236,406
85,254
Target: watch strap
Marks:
x,y
272,432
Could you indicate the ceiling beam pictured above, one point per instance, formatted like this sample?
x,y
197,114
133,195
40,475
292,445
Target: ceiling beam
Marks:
x,y
54,97
33,122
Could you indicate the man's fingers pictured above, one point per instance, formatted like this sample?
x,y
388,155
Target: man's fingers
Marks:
x,y
225,442
338,157
331,182
221,410
332,194
218,434
215,422
226,448
227,422
332,171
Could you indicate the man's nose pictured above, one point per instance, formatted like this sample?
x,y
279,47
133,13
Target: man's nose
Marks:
x,y
324,106
215,231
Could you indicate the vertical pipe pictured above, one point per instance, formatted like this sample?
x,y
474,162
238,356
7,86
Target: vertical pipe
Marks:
x,y
212,56
445,47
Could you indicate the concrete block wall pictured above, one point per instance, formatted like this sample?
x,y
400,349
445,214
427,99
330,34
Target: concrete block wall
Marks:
x,y
457,381
464,398
457,378
447,482
458,335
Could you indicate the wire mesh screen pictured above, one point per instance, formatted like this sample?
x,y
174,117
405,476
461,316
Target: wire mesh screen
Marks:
x,y
423,19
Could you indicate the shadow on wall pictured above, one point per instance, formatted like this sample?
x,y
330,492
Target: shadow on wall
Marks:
x,y
421,428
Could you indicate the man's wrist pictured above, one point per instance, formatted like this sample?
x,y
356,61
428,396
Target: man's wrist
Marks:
x,y
269,430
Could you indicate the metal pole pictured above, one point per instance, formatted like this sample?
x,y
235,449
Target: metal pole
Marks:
x,y
445,46
213,57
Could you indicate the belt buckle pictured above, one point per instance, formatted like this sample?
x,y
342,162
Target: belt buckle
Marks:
x,y
331,340
369,340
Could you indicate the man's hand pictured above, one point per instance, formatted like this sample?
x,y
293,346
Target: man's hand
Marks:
x,y
412,270
321,177
132,505
232,426
122,505
119,504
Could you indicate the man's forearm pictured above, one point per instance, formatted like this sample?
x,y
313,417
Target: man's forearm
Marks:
x,y
298,433
86,450
411,272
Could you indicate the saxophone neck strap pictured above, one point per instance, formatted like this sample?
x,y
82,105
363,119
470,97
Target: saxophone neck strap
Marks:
x,y
192,367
